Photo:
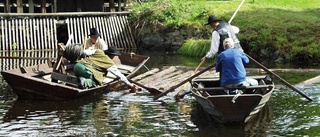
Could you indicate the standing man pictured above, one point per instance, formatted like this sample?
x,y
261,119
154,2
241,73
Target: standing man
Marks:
x,y
221,31
231,67
95,42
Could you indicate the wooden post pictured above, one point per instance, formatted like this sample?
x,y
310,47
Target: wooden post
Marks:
x,y
78,4
111,6
31,6
54,6
119,5
19,6
7,7
43,6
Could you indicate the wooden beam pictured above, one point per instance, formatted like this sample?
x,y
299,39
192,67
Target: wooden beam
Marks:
x,y
31,6
54,6
43,6
7,7
19,6
111,6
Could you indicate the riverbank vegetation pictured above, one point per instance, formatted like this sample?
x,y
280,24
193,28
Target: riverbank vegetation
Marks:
x,y
281,31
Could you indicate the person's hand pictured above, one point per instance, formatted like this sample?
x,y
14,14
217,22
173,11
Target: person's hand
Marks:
x,y
204,58
132,88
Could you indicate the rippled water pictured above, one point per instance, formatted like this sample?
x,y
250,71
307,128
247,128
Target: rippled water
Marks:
x,y
136,114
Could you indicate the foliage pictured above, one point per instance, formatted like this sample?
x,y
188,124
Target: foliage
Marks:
x,y
196,48
285,30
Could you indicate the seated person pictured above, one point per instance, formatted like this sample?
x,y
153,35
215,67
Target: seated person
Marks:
x,y
92,69
231,66
95,41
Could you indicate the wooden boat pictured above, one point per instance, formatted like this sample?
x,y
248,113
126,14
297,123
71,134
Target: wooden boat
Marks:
x,y
46,81
231,108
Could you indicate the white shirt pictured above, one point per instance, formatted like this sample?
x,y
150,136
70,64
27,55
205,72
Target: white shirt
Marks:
x,y
215,42
100,44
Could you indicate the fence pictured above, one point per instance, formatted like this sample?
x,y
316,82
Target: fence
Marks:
x,y
38,31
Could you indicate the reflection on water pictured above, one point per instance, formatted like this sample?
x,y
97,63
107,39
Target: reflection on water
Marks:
x,y
122,114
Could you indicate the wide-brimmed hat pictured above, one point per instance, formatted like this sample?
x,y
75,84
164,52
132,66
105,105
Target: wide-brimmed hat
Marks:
x,y
94,32
112,51
212,19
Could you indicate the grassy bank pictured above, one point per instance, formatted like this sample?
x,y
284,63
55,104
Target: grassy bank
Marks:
x,y
284,31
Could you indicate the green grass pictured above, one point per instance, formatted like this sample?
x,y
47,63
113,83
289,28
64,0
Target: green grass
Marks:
x,y
280,30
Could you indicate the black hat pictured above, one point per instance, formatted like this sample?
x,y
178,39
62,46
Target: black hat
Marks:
x,y
94,32
112,51
212,19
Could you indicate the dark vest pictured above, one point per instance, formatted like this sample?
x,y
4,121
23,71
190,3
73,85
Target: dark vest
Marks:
x,y
225,31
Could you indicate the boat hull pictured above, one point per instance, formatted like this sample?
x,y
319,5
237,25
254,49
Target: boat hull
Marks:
x,y
34,81
224,110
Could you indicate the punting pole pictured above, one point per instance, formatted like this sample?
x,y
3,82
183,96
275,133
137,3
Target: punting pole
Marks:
x,y
234,14
282,80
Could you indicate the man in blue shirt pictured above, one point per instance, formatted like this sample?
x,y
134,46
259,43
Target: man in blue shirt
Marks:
x,y
231,66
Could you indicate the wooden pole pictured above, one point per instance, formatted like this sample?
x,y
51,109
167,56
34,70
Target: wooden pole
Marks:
x,y
282,80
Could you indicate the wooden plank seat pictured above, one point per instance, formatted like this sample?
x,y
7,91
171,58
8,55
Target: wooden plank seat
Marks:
x,y
223,88
260,89
70,79
36,71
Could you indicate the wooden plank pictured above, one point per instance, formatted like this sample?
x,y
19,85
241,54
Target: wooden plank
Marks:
x,y
45,32
121,32
31,33
19,6
38,35
55,42
124,32
108,31
65,78
19,39
2,34
10,37
24,34
49,23
130,33
31,6
78,35
82,30
63,14
223,88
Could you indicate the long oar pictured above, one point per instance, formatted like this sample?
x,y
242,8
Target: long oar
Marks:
x,y
178,95
186,80
282,80
151,90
